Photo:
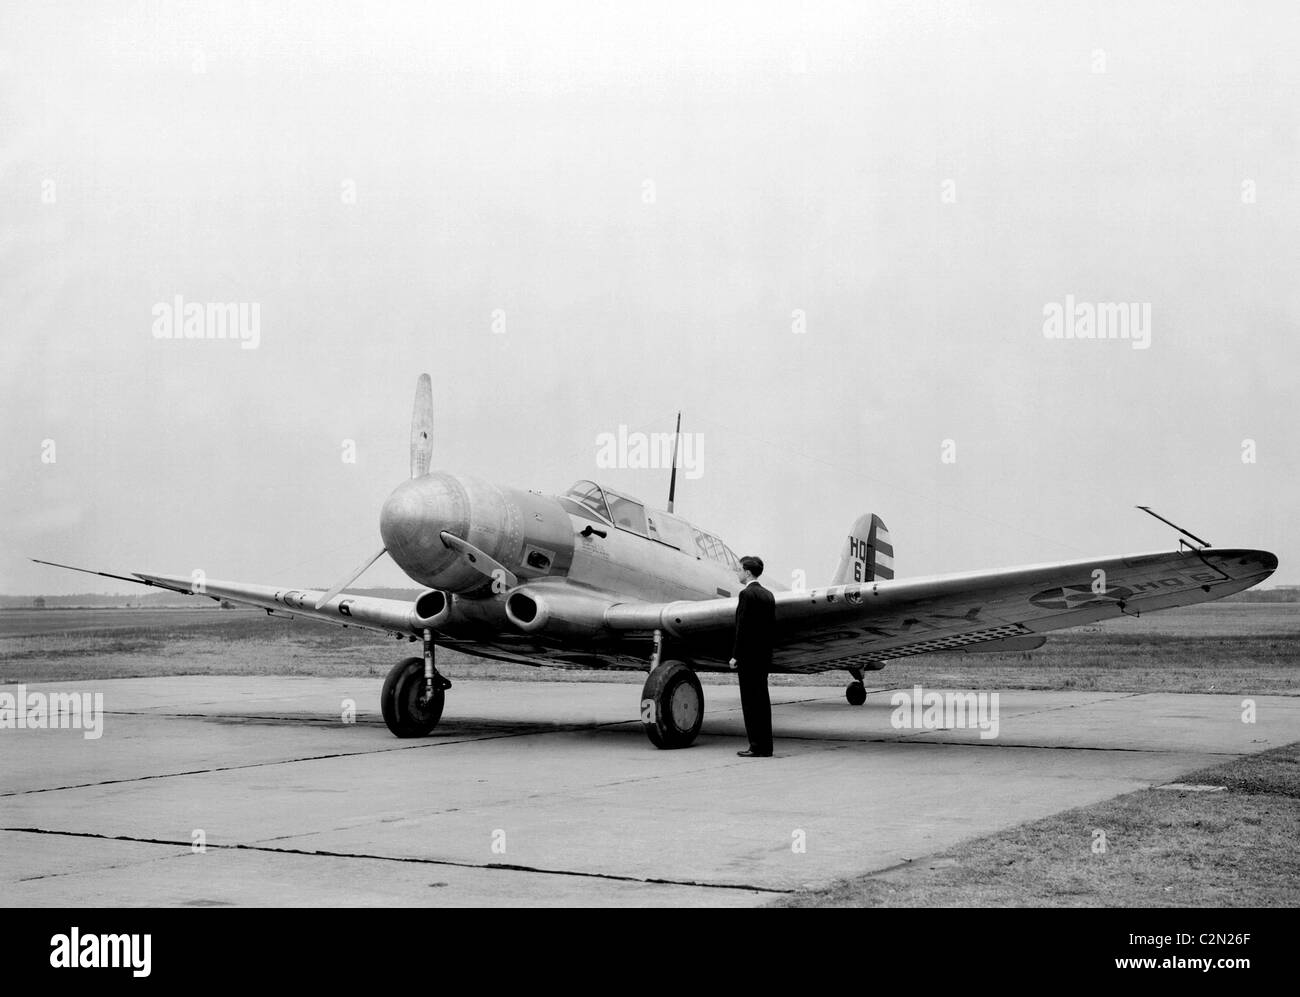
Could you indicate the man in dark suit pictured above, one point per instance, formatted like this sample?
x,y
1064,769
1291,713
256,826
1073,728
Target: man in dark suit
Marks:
x,y
752,657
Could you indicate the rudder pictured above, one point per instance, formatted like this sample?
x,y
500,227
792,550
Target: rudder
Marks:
x,y
868,554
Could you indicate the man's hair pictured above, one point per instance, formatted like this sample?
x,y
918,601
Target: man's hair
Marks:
x,y
754,565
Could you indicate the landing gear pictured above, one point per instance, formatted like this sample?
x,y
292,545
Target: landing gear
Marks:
x,y
856,693
413,694
672,705
407,709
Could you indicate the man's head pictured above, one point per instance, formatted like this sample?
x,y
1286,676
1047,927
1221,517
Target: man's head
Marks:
x,y
750,568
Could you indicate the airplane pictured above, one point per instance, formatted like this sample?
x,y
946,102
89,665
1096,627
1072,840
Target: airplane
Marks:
x,y
596,578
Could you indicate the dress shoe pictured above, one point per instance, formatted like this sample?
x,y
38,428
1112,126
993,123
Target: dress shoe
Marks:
x,y
754,754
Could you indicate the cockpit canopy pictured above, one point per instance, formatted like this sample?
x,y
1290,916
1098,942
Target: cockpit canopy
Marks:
x,y
604,505
610,506
589,498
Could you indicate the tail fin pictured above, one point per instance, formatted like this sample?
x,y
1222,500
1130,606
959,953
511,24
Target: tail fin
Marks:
x,y
868,555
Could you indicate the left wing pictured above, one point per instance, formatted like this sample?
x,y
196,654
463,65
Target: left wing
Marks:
x,y
862,625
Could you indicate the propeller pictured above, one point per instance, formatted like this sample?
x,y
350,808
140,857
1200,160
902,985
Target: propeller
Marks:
x,y
422,427
421,455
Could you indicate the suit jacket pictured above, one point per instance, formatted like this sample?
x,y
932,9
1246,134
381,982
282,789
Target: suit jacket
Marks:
x,y
755,627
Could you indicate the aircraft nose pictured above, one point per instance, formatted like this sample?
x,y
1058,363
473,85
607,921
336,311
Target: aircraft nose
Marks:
x,y
413,517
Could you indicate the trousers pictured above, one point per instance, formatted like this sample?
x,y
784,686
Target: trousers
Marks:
x,y
756,705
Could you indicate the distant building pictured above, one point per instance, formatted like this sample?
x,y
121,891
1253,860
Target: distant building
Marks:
x,y
39,602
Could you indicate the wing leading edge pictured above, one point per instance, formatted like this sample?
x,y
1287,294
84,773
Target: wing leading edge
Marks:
x,y
391,616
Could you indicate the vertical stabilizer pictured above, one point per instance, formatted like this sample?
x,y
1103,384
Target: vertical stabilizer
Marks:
x,y
868,555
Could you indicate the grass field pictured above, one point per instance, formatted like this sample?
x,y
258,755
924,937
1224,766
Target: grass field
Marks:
x,y
1220,647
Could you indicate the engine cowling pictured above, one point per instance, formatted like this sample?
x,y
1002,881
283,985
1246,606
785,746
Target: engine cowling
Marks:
x,y
555,610
531,536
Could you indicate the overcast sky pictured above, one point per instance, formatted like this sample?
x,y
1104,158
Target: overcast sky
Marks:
x,y
830,234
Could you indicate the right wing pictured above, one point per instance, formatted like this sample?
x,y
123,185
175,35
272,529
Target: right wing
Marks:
x,y
391,616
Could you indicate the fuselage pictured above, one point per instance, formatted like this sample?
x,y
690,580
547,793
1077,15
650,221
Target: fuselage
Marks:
x,y
591,536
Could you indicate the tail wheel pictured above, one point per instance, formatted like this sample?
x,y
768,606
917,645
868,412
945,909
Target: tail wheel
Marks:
x,y
856,693
672,706
403,703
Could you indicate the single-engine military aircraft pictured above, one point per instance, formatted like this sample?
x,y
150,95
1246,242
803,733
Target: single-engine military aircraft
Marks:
x,y
595,578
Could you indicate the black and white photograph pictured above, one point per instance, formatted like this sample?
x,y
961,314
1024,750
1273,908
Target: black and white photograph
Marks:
x,y
688,455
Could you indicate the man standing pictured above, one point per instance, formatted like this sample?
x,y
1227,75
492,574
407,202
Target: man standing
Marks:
x,y
752,656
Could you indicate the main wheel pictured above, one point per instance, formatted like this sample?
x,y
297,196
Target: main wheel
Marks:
x,y
402,700
672,706
855,693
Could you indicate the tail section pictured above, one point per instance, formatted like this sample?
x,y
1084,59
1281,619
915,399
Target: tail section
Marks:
x,y
868,554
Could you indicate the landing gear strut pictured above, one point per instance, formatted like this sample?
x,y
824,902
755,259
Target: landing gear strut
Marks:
x,y
413,694
856,692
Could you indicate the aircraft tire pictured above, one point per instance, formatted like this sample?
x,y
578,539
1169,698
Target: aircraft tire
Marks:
x,y
400,701
856,693
672,706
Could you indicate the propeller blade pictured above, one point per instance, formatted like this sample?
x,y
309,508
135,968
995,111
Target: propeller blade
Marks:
x,y
336,589
478,560
422,427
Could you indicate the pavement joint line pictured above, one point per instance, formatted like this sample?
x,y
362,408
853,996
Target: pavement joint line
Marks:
x,y
380,723
911,737
920,861
1048,709
494,866
265,764
304,719
1078,706
903,864
97,869
429,743
1108,698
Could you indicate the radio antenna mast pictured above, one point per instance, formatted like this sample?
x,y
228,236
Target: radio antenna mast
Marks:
x,y
672,481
